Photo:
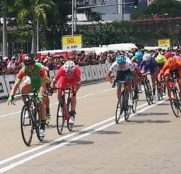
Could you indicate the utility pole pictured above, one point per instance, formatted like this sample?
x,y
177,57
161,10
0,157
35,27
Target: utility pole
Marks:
x,y
74,16
4,29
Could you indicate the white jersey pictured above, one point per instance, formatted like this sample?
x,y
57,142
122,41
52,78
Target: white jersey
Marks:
x,y
116,67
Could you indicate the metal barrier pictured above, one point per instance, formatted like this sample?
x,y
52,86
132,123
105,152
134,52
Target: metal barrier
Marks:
x,y
89,74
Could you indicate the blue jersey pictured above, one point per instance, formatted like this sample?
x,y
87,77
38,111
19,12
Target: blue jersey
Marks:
x,y
152,66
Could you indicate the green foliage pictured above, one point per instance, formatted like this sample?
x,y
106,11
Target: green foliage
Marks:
x,y
171,8
161,7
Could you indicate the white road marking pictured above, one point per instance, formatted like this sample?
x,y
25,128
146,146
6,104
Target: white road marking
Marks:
x,y
13,113
89,130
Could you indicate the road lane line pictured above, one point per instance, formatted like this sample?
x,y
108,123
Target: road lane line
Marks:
x,y
13,113
78,136
59,139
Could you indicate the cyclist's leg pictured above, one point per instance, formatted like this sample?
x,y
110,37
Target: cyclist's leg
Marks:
x,y
118,91
168,84
179,81
129,79
74,89
154,77
120,76
24,89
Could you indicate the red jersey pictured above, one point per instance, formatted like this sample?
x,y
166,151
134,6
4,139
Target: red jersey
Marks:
x,y
63,79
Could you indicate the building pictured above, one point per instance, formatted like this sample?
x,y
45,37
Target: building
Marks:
x,y
112,10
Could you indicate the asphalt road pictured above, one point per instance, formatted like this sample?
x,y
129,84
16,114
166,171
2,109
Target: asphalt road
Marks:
x,y
148,144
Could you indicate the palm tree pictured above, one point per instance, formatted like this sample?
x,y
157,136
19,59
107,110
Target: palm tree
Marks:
x,y
34,10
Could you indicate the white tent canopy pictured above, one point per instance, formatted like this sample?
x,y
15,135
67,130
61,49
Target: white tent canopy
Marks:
x,y
122,46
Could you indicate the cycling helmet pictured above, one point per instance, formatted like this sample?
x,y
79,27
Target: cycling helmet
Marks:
x,y
160,59
168,54
147,57
69,66
29,59
121,59
138,55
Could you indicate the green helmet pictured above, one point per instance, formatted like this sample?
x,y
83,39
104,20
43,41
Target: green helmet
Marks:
x,y
160,59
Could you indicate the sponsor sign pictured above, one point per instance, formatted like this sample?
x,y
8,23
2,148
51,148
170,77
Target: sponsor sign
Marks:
x,y
164,42
71,42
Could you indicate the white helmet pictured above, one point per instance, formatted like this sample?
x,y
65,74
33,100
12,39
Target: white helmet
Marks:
x,y
69,66
146,57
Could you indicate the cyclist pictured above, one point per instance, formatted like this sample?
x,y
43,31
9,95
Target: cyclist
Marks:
x,y
68,74
125,71
38,78
171,65
160,61
136,60
148,64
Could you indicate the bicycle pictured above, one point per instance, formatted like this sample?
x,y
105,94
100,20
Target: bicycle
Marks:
x,y
135,95
63,111
160,90
122,104
174,95
29,120
147,89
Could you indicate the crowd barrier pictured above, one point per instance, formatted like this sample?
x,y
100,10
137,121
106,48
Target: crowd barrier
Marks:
x,y
89,73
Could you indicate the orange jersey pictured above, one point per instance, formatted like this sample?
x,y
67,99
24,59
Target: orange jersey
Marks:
x,y
171,64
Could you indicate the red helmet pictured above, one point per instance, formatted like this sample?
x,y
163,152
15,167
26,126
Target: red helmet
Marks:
x,y
168,54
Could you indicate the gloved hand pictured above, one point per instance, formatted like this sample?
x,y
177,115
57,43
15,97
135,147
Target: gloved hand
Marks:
x,y
39,97
10,99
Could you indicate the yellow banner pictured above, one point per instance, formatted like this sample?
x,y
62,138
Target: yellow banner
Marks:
x,y
71,42
164,42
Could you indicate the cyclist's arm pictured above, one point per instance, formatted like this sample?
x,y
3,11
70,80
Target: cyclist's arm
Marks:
x,y
43,77
165,68
108,76
18,80
109,72
58,74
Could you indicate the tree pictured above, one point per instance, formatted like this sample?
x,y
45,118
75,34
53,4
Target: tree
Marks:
x,y
159,7
35,11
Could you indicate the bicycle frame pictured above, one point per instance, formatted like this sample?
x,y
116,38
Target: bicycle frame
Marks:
x,y
64,106
122,104
66,98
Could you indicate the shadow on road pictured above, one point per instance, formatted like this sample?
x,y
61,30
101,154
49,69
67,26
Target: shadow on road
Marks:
x,y
108,132
152,113
149,121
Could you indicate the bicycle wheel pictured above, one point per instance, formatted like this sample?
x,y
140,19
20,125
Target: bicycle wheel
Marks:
x,y
175,102
26,125
70,124
135,101
60,118
119,109
148,92
160,89
70,119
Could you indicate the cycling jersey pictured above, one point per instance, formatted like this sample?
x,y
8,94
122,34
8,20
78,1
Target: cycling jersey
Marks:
x,y
63,79
37,77
152,66
116,67
123,72
171,64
